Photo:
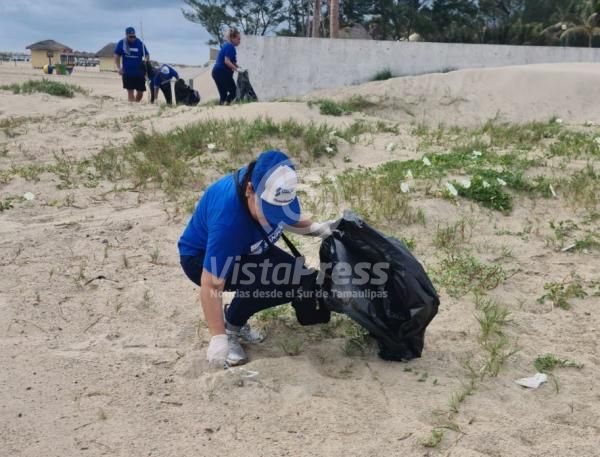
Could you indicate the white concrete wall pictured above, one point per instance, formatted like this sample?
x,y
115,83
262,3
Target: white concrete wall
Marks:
x,y
284,67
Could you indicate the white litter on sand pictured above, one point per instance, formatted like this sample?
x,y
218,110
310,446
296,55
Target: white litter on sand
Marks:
x,y
534,381
451,189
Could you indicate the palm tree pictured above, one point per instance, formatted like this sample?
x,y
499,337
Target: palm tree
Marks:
x,y
586,23
316,18
575,21
590,26
334,18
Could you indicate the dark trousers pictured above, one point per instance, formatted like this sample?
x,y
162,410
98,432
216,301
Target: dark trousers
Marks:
x,y
166,90
270,288
224,79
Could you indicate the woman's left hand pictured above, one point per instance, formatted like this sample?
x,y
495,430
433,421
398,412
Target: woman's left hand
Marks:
x,y
321,229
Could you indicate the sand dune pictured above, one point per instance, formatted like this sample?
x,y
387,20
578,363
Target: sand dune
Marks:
x,y
468,97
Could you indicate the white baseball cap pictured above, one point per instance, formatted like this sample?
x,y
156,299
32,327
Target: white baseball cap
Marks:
x,y
275,181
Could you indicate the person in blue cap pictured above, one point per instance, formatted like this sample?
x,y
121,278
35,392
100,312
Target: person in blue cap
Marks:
x,y
224,247
161,79
225,66
130,57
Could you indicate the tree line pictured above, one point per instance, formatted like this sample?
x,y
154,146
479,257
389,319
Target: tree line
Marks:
x,y
516,22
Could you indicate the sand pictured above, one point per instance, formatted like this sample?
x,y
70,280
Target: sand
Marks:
x,y
105,356
468,97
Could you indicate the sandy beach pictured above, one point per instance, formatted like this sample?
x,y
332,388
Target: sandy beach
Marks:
x,y
102,341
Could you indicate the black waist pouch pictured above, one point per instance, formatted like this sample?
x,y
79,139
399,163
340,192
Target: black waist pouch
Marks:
x,y
309,308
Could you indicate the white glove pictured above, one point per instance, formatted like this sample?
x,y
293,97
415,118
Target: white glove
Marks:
x,y
241,69
217,351
321,229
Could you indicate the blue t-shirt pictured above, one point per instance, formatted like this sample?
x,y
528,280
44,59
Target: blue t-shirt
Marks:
x,y
160,78
133,56
228,50
222,227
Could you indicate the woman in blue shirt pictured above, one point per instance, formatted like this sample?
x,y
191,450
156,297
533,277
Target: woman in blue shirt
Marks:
x,y
225,66
224,248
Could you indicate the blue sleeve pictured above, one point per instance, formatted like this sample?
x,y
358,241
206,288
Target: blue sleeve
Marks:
x,y
146,53
222,248
156,80
174,74
119,48
230,52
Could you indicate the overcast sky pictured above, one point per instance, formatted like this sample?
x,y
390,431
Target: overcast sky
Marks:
x,y
88,25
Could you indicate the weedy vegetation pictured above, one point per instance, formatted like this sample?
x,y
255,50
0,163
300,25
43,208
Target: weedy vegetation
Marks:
x,y
559,294
58,89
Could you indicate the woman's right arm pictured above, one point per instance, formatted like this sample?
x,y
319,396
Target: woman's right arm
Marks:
x,y
211,298
212,303
230,64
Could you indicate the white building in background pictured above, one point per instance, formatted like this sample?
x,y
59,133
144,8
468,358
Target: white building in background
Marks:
x,y
14,56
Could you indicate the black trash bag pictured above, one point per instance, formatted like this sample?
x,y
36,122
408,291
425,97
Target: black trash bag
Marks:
x,y
392,297
245,92
185,95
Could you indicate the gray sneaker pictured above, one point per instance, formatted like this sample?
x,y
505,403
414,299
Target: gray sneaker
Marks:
x,y
252,335
247,333
237,355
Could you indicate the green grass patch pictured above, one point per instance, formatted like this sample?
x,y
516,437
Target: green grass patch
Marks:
x,y
170,160
562,230
461,273
382,75
357,190
451,237
515,180
583,188
492,319
276,313
488,193
459,158
6,204
58,89
353,104
548,362
521,136
590,242
356,339
561,293
572,144
330,108
434,439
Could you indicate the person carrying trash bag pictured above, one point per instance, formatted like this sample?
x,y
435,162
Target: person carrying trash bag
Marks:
x,y
225,66
161,80
228,244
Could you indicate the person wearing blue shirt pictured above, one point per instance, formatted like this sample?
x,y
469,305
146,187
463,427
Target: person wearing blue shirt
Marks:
x,y
225,66
161,79
224,248
130,54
